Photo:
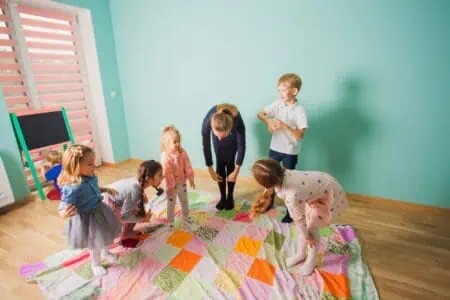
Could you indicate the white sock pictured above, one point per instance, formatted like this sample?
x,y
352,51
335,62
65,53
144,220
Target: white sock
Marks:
x,y
108,256
95,256
310,263
97,269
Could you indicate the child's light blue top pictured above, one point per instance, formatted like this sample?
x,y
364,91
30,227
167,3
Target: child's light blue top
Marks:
x,y
84,196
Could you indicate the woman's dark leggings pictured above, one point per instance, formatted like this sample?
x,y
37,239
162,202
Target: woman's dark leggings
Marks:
x,y
225,168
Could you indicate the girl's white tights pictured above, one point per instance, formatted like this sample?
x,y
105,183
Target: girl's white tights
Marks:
x,y
311,261
97,255
305,251
181,194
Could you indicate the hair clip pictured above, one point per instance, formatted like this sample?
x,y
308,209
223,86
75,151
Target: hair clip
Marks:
x,y
159,191
78,151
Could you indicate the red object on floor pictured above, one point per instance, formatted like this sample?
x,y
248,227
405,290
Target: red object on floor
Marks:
x,y
129,243
242,217
133,241
54,195
79,257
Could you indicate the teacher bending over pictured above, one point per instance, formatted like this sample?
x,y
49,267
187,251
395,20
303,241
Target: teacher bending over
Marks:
x,y
228,136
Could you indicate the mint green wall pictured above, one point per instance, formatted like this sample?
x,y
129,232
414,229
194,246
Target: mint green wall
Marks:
x,y
375,82
106,51
10,155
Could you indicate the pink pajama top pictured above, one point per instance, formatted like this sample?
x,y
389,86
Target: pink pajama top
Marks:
x,y
312,197
176,169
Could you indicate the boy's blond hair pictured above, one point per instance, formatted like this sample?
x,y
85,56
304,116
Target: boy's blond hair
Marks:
x,y
71,161
293,80
169,132
54,157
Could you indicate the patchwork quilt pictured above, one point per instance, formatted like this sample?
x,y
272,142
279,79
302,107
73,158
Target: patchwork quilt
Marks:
x,y
221,255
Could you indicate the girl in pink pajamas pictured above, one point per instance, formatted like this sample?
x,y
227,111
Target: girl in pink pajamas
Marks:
x,y
177,170
312,199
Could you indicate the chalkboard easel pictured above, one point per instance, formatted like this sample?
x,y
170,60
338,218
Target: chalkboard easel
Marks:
x,y
40,129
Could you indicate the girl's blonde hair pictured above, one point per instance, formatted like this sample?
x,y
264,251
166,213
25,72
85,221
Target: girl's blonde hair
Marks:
x,y
53,157
169,132
222,120
71,160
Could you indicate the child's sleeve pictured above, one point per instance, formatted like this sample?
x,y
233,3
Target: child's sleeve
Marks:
x,y
271,110
240,131
296,208
44,166
301,120
168,173
69,195
206,139
188,171
130,207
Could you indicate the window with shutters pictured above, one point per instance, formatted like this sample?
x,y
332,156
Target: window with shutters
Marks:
x,y
11,71
42,66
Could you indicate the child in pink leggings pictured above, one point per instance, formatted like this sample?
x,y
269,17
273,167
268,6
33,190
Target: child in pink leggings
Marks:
x,y
312,199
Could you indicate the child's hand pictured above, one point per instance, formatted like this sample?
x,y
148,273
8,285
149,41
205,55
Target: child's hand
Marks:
x,y
214,175
277,124
68,211
171,194
148,216
192,183
110,191
45,166
271,125
145,198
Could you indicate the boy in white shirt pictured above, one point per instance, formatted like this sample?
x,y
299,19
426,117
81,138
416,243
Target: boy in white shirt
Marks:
x,y
286,121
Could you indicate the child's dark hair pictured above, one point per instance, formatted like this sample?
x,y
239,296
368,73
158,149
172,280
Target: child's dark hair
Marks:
x,y
147,169
268,173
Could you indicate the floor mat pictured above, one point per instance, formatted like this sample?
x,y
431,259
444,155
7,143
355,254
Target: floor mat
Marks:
x,y
221,255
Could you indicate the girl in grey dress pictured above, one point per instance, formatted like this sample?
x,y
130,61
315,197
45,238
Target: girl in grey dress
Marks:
x,y
128,204
92,224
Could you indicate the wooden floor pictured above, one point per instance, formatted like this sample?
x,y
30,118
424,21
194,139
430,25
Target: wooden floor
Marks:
x,y
406,248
